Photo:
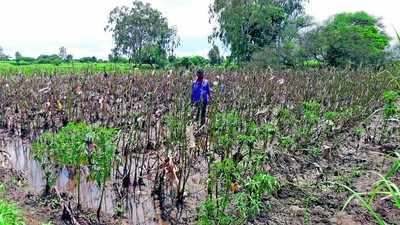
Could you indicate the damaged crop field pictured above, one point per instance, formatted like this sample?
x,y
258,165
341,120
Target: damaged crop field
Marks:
x,y
278,147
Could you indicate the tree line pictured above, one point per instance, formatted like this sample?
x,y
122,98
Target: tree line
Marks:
x,y
58,59
279,33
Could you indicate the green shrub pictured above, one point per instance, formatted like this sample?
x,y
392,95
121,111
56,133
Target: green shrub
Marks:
x,y
77,145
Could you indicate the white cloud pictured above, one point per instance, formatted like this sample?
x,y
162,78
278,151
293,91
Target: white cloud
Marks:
x,y
34,27
203,53
190,16
42,26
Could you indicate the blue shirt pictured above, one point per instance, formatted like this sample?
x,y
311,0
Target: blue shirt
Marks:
x,y
200,91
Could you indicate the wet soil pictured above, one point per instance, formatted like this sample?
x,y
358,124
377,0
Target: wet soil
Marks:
x,y
38,209
309,194
137,205
16,191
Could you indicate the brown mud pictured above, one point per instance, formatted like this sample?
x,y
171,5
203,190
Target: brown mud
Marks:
x,y
310,197
16,191
307,197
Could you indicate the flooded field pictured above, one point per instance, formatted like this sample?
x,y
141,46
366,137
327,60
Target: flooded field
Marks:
x,y
117,150
139,206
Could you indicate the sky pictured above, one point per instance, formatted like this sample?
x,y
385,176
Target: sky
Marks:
x,y
35,27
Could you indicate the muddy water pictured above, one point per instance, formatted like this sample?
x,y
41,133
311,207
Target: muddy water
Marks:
x,y
21,160
139,208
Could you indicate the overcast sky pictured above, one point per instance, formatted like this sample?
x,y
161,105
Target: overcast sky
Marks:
x,y
36,27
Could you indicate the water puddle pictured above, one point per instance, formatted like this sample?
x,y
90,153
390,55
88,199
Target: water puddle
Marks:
x,y
140,207
21,160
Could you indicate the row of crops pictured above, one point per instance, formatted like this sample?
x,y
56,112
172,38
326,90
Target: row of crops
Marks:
x,y
7,68
138,131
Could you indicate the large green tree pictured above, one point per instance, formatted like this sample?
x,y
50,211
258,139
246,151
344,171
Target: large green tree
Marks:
x,y
249,26
348,39
140,28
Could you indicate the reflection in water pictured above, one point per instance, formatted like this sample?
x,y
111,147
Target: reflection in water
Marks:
x,y
63,178
21,160
139,207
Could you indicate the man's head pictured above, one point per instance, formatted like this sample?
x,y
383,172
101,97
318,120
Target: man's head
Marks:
x,y
200,74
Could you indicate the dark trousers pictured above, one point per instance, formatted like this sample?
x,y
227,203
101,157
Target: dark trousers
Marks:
x,y
201,110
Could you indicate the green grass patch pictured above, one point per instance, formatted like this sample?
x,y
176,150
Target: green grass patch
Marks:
x,y
10,214
10,68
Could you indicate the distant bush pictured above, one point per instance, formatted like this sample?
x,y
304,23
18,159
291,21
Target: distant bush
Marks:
x,y
21,63
49,59
146,67
229,63
88,59
194,61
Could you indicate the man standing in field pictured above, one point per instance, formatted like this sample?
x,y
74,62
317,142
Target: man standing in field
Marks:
x,y
201,94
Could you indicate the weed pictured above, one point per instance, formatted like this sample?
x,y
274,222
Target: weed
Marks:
x,y
316,151
286,143
356,171
359,132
